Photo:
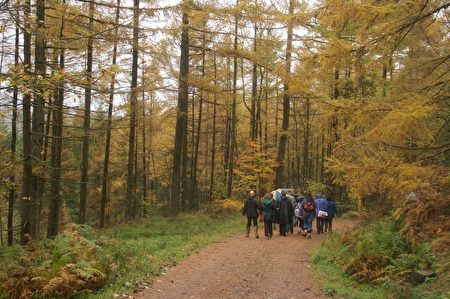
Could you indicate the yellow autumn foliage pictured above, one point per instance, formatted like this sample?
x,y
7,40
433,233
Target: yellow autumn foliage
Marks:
x,y
230,204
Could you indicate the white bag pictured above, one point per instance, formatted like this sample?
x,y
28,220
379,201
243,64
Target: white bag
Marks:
x,y
322,214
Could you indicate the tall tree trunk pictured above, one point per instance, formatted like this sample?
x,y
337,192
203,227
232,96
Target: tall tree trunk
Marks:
x,y
286,102
57,133
277,110
199,132
266,111
130,211
185,190
233,110
27,224
297,147
322,157
40,187
144,147
181,125
12,192
213,149
105,179
226,137
259,126
189,191
38,112
253,122
87,118
336,92
306,164
135,210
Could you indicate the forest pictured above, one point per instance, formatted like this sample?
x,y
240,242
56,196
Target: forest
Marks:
x,y
114,111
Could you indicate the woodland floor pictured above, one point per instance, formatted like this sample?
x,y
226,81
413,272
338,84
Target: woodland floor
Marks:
x,y
246,268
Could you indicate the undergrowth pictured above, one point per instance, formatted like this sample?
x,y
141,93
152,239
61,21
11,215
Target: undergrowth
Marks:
x,y
373,259
58,268
85,263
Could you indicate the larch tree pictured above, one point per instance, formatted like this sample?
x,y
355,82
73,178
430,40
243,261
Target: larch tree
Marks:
x,y
179,153
280,179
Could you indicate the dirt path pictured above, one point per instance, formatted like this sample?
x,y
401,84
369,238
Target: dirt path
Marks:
x,y
245,268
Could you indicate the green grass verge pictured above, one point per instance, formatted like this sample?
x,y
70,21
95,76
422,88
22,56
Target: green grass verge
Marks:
x,y
337,284
141,250
370,261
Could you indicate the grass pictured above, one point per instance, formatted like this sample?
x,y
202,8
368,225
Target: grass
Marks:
x,y
142,250
336,283
370,261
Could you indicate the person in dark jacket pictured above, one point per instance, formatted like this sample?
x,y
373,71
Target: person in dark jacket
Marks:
x,y
307,213
332,211
285,212
250,210
268,209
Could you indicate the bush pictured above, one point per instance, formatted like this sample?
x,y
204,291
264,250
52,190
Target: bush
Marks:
x,y
62,267
379,252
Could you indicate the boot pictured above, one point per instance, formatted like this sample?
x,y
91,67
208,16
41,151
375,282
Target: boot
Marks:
x,y
256,232
248,232
309,236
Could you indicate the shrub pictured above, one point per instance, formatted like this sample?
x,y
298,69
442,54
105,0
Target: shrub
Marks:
x,y
379,252
60,268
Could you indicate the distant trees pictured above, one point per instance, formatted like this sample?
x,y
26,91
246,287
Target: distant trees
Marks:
x,y
344,93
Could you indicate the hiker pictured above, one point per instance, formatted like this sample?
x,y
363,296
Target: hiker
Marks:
x,y
321,214
332,211
268,211
298,213
307,212
250,210
285,212
276,216
291,199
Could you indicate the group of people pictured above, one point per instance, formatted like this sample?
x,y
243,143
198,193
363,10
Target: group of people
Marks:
x,y
288,211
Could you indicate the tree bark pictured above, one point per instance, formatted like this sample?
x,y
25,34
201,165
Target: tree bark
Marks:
x,y
280,180
57,133
130,211
27,224
105,179
233,110
182,110
213,150
38,120
144,147
306,143
12,192
194,183
87,119
253,121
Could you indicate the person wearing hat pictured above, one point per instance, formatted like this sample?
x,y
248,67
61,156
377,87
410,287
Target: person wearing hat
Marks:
x,y
250,210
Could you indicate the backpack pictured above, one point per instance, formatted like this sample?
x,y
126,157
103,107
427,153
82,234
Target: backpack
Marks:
x,y
308,206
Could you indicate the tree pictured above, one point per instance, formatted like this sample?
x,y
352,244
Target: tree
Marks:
x,y
255,169
280,180
179,153
87,116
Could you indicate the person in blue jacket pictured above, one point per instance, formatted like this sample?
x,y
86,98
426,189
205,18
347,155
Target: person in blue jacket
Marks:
x,y
320,208
332,211
307,213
